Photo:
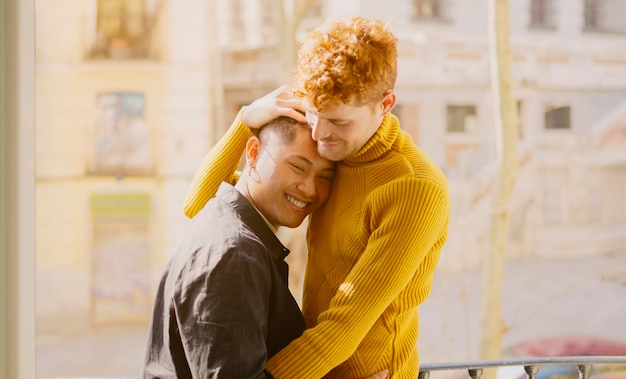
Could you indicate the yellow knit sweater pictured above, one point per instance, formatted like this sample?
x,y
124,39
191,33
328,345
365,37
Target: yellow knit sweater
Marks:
x,y
373,249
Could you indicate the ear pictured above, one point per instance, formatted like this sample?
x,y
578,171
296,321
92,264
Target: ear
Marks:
x,y
253,147
389,101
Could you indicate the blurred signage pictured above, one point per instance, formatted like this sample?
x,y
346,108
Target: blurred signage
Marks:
x,y
120,260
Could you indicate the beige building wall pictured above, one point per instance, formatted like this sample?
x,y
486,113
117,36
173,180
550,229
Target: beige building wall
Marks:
x,y
74,291
442,62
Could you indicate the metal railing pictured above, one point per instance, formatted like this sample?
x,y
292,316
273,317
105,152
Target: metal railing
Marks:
x,y
532,366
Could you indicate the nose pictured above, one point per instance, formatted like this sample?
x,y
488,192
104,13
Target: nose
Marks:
x,y
307,186
318,127
320,131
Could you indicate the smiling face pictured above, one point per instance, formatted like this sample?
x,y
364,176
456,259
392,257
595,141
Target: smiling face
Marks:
x,y
286,180
341,130
347,69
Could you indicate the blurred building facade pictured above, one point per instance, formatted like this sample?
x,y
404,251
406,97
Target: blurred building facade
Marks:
x,y
124,116
131,95
569,66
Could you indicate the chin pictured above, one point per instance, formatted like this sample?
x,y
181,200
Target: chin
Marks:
x,y
332,156
294,224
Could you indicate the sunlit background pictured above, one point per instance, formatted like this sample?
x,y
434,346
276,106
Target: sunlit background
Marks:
x,y
131,94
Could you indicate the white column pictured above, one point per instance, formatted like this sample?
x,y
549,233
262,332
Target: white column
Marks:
x,y
17,189
188,124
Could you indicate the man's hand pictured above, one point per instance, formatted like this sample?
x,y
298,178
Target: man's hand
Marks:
x,y
379,375
280,102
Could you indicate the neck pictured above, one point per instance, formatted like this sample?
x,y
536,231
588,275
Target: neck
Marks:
x,y
242,187
384,138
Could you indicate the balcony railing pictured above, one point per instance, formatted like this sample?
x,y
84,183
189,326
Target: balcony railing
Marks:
x,y
532,366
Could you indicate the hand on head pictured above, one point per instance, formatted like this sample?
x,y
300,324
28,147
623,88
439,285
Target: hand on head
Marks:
x,y
280,102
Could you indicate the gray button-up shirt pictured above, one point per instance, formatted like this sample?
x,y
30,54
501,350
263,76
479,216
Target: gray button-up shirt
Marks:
x,y
223,307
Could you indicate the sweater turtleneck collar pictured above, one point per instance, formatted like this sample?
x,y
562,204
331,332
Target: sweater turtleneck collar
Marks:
x,y
380,143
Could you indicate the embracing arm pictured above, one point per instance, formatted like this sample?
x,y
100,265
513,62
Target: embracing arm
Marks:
x,y
221,162
407,218
218,166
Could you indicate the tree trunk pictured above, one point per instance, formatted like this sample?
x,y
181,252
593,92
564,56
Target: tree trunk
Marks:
x,y
492,323
216,86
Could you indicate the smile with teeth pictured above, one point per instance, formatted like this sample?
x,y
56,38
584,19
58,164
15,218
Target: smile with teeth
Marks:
x,y
297,203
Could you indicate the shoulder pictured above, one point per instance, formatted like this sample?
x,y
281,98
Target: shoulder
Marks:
x,y
413,181
408,166
409,203
416,165
219,234
412,191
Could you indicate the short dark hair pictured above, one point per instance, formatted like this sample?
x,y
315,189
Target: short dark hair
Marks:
x,y
285,128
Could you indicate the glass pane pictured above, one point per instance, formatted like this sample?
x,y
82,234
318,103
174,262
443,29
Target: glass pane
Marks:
x,y
461,118
557,118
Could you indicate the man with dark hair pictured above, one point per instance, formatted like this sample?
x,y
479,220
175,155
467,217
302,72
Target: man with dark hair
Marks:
x,y
223,307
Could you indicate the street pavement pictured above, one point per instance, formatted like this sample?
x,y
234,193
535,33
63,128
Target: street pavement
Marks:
x,y
583,296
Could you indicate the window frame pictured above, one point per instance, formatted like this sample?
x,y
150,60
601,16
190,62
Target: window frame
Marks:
x,y
557,117
437,10
95,50
471,110
541,14
592,11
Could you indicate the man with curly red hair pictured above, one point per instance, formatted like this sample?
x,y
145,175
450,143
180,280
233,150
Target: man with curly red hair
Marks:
x,y
374,245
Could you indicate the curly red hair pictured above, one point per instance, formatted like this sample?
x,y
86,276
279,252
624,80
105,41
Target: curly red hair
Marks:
x,y
345,59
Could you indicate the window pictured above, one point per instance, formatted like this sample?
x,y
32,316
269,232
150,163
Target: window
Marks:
x,y
604,15
121,30
557,117
426,9
237,23
540,13
266,31
461,118
122,138
592,14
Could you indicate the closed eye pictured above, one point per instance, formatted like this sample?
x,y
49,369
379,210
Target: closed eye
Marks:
x,y
340,122
297,167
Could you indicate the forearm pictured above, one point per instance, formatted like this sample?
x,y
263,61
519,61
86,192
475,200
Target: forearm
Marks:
x,y
341,328
218,166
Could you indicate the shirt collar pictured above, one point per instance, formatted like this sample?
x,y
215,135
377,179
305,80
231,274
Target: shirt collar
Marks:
x,y
272,227
252,217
